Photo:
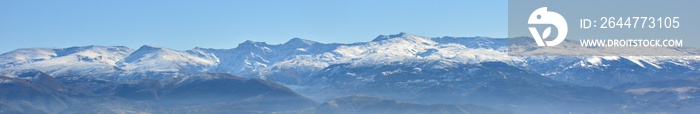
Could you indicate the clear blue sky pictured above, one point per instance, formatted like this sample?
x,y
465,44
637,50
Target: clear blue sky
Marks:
x,y
224,24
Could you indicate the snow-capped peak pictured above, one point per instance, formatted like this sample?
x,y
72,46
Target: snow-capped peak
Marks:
x,y
26,55
248,44
151,58
404,48
64,60
143,51
385,37
299,42
96,54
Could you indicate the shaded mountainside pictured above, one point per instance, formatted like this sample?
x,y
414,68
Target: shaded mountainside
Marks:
x,y
32,92
492,84
36,92
681,95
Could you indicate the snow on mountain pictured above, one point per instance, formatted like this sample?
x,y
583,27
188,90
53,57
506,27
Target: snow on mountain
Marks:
x,y
499,44
405,48
525,46
85,59
97,54
399,49
386,50
150,58
294,60
609,71
260,58
471,69
298,42
24,56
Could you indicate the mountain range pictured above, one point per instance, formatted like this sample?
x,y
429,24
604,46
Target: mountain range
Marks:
x,y
256,77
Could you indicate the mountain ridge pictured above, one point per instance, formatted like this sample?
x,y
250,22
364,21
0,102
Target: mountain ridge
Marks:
x,y
290,61
455,71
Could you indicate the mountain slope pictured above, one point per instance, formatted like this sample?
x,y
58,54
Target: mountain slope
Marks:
x,y
150,58
448,70
492,84
37,92
32,92
293,61
58,61
655,96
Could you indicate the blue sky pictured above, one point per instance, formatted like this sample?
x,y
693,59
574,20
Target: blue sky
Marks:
x,y
184,25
